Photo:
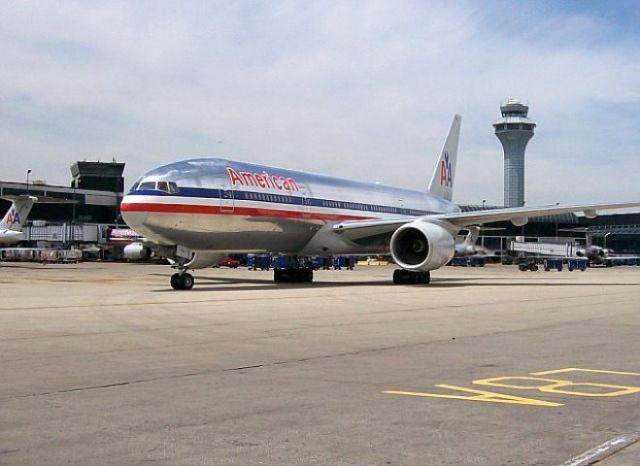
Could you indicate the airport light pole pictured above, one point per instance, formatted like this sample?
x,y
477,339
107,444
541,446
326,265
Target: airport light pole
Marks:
x,y
484,201
73,215
28,172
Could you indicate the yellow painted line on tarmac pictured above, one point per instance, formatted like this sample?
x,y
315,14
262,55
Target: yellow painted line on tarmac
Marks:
x,y
543,385
565,387
617,390
498,382
595,371
479,395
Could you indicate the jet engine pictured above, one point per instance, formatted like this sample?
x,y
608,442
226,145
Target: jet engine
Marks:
x,y
422,246
136,251
203,260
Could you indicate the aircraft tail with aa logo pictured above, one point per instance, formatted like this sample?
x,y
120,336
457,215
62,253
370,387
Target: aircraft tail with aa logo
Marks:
x,y
17,213
443,176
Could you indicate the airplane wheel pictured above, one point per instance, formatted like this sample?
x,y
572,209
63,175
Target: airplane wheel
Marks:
x,y
404,277
186,281
182,281
292,275
399,277
175,281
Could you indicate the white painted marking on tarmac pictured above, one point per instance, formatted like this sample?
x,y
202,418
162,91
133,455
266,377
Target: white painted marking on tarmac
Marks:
x,y
603,451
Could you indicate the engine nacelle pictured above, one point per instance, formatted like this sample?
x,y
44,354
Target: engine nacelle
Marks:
x,y
422,246
203,259
520,221
465,249
136,251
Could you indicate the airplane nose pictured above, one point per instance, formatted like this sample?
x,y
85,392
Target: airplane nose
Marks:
x,y
132,215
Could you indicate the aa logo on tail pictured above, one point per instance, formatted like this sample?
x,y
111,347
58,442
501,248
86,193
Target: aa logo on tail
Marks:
x,y
446,172
13,217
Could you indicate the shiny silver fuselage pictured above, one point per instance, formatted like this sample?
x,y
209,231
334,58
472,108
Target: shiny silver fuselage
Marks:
x,y
227,206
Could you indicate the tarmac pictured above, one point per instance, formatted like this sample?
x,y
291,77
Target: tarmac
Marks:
x,y
104,363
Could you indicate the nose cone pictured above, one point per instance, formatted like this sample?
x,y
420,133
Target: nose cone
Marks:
x,y
133,213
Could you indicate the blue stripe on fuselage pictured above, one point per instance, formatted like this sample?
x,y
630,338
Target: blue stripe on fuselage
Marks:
x,y
285,199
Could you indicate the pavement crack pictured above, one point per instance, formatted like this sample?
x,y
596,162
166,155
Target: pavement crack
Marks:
x,y
255,366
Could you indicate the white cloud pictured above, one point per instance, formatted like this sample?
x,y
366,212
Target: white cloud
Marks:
x,y
364,90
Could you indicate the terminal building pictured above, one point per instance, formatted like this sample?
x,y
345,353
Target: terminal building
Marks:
x,y
96,187
92,213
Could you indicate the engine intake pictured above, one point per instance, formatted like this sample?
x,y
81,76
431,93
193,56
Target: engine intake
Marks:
x,y
422,246
136,251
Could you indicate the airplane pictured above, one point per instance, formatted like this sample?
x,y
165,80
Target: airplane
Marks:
x,y
11,224
599,255
197,211
596,255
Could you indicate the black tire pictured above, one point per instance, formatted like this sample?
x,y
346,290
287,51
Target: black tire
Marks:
x,y
399,277
186,281
404,277
175,281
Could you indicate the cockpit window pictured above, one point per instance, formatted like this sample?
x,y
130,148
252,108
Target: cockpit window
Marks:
x,y
164,186
147,185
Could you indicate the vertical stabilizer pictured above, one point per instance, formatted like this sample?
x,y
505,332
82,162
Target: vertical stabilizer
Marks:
x,y
443,176
17,213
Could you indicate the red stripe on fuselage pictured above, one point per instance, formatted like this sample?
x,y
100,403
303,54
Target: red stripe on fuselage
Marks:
x,y
243,211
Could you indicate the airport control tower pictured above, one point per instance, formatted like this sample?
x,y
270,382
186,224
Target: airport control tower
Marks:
x,y
514,130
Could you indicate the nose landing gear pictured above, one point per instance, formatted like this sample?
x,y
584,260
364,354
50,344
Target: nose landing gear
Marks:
x,y
182,281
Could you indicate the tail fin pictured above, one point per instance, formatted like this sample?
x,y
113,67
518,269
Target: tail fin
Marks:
x,y
443,176
18,212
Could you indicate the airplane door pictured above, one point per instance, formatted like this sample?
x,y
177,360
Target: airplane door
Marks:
x,y
227,200
306,203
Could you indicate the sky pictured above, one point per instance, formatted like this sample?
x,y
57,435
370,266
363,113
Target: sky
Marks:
x,y
357,89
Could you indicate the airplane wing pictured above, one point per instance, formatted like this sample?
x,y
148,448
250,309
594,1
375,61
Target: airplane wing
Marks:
x,y
522,214
356,229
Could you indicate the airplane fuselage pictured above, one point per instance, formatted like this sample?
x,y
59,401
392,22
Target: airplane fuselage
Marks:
x,y
10,236
227,206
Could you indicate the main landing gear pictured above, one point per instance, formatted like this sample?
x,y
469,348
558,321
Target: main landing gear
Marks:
x,y
182,281
298,275
405,277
